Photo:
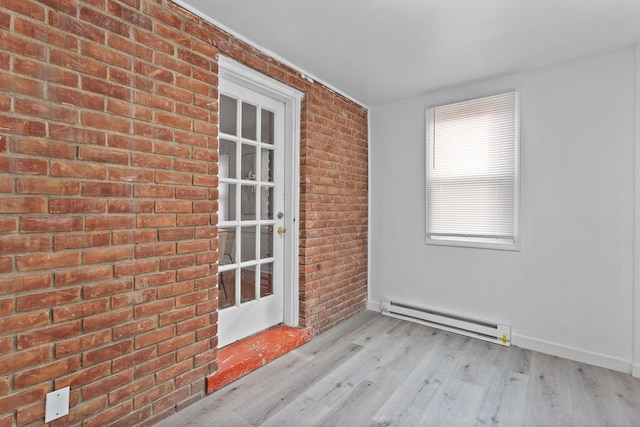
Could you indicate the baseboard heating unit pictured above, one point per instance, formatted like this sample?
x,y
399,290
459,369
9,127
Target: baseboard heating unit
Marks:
x,y
487,331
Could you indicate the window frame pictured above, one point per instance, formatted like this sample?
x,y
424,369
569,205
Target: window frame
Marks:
x,y
478,242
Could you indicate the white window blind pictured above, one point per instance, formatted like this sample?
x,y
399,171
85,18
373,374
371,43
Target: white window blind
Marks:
x,y
471,171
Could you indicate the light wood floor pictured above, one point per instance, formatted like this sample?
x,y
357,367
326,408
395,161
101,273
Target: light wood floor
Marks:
x,y
373,370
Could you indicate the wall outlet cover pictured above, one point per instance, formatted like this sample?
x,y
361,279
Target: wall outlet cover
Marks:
x,y
57,404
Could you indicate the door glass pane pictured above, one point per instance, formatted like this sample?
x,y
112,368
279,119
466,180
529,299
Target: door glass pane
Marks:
x,y
248,202
227,202
267,128
248,284
248,243
227,245
249,168
266,241
228,115
227,159
266,172
249,121
227,289
266,203
266,280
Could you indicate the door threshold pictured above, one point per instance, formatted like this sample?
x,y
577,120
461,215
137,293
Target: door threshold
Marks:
x,y
247,355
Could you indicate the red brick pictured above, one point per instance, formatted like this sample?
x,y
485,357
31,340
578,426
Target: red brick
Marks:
x,y
191,193
130,390
84,376
173,206
136,359
6,184
72,134
107,289
193,246
6,306
104,21
96,256
82,276
130,206
154,250
126,46
47,335
78,170
176,234
147,221
176,262
153,365
109,222
106,189
116,380
191,220
106,353
20,360
189,351
76,98
21,126
173,371
155,279
6,266
22,205
74,241
174,344
24,398
81,412
134,328
192,325
82,309
193,273
134,236
46,186
23,166
22,243
156,73
43,148
133,298
151,161
47,299
47,261
169,400
127,142
190,166
44,373
137,19
47,111
50,224
137,267
130,175
153,337
23,46
173,178
156,191
152,308
107,122
101,155
106,320
14,285
75,26
81,343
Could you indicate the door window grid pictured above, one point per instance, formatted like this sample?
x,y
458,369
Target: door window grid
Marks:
x,y
243,175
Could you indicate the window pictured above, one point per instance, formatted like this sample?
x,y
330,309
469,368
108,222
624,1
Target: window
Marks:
x,y
472,173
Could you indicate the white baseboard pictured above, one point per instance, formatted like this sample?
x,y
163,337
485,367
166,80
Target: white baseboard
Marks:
x,y
571,353
374,306
555,349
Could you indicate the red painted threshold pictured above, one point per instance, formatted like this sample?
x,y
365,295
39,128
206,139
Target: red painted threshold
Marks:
x,y
242,357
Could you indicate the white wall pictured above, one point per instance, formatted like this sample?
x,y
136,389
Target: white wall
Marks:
x,y
570,289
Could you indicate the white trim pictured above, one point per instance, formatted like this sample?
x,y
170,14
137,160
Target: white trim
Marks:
x,y
571,353
636,225
374,306
292,98
305,75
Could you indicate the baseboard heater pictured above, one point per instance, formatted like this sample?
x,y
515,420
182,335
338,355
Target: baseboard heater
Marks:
x,y
487,331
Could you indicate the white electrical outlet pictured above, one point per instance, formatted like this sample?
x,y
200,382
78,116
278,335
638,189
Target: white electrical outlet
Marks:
x,y
57,404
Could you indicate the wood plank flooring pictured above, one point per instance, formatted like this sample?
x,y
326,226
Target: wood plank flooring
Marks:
x,y
374,370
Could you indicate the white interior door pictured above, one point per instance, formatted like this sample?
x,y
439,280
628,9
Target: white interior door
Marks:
x,y
251,213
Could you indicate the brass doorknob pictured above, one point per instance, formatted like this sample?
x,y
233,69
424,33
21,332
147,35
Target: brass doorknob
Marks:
x,y
282,230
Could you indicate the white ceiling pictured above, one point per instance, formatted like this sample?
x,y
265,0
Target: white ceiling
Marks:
x,y
377,51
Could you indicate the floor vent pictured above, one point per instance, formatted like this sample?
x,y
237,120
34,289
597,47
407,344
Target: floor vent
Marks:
x,y
487,331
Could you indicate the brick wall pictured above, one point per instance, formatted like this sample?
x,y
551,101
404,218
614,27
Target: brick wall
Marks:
x,y
108,199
